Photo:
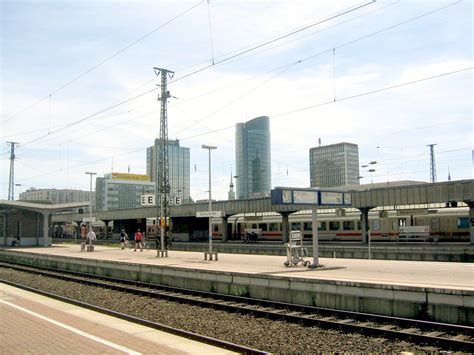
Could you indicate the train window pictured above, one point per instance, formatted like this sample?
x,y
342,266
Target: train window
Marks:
x,y
308,226
348,225
216,228
334,225
463,222
263,227
322,226
358,225
254,226
295,226
402,222
376,225
435,224
274,227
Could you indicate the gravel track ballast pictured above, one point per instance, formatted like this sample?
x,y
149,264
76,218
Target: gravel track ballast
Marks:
x,y
276,337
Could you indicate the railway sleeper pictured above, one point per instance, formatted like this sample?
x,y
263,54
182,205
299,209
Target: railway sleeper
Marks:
x,y
436,334
411,331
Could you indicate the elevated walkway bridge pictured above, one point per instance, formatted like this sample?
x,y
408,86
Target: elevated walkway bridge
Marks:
x,y
403,195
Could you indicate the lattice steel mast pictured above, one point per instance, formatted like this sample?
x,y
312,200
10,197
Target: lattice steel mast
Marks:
x,y
432,162
163,161
11,181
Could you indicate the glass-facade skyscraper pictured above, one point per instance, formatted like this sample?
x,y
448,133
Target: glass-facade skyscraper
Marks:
x,y
179,168
253,158
334,165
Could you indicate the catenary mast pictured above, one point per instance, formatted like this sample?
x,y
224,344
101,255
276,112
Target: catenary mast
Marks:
x,y
162,178
11,181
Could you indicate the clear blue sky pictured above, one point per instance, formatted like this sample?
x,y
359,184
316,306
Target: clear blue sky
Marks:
x,y
65,64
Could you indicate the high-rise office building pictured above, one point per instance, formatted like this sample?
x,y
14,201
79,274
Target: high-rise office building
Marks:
x,y
334,165
179,165
253,158
119,191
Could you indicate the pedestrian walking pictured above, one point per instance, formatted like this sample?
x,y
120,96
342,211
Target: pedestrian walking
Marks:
x,y
83,237
123,239
90,239
138,240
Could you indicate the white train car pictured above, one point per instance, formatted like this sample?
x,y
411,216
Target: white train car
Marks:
x,y
445,224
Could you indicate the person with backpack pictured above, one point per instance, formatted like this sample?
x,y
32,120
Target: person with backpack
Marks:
x,y
138,240
123,239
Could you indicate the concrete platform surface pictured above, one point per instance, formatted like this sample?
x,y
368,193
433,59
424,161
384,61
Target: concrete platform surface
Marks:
x,y
33,324
406,273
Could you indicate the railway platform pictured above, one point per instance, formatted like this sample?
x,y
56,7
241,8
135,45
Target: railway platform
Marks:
x,y
438,291
34,324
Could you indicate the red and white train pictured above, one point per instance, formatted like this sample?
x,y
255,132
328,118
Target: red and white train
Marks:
x,y
444,224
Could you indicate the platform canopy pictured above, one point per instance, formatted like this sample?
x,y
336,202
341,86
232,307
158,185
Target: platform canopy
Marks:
x,y
14,209
43,207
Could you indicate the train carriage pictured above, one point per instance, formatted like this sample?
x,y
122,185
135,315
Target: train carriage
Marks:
x,y
445,224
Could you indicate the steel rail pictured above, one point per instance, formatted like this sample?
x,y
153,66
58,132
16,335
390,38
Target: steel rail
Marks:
x,y
158,326
450,336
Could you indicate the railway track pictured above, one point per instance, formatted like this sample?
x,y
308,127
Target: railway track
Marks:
x,y
446,336
154,325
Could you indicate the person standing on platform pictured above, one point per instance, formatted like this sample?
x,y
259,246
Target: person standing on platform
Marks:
x,y
90,238
123,239
83,237
138,240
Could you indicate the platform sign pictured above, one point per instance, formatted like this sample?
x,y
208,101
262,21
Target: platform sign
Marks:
x,y
175,200
88,219
148,200
295,236
212,214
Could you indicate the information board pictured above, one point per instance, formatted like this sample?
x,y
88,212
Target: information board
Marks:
x,y
331,198
212,214
313,197
305,196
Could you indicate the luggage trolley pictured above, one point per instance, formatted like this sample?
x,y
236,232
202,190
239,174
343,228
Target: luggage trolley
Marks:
x,y
295,252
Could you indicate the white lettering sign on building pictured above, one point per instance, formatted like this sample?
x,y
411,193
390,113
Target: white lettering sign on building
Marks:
x,y
148,200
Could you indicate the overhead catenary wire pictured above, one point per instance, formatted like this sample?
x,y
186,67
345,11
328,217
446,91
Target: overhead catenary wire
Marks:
x,y
210,32
372,92
287,42
385,89
351,9
271,41
238,97
76,78
283,66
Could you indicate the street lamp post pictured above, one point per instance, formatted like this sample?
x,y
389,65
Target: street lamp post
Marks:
x,y
90,198
370,170
210,253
